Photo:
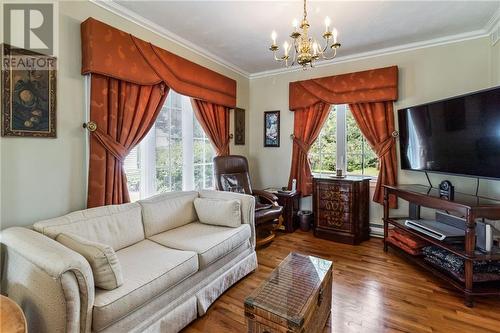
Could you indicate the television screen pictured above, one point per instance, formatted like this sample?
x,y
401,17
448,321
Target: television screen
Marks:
x,y
459,135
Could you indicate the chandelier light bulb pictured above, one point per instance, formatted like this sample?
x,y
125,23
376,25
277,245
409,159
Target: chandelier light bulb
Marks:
x,y
335,34
295,24
327,23
315,48
273,37
285,47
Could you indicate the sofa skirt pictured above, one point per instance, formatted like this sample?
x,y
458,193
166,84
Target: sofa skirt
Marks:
x,y
173,310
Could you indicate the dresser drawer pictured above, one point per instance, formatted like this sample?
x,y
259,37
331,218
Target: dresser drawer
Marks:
x,y
334,195
335,220
329,187
335,205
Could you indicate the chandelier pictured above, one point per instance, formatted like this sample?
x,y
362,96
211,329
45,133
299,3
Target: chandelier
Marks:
x,y
303,49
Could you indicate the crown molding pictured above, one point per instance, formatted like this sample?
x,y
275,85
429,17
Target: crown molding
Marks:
x,y
129,15
493,22
486,31
381,52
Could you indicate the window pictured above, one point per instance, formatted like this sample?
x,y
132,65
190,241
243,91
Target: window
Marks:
x,y
341,144
175,155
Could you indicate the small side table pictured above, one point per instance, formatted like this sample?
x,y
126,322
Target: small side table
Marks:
x,y
290,203
12,318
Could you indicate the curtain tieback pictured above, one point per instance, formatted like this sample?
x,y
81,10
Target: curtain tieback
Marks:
x,y
302,146
111,145
385,146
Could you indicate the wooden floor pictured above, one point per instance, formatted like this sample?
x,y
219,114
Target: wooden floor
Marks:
x,y
372,292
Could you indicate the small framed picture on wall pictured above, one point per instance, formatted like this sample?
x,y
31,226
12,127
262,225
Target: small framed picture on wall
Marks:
x,y
271,129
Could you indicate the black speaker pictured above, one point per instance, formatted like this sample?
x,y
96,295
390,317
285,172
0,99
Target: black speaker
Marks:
x,y
446,190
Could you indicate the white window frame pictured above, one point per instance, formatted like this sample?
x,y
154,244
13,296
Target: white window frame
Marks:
x,y
147,148
341,140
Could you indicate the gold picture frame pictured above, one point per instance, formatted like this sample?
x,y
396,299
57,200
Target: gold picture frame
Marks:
x,y
28,93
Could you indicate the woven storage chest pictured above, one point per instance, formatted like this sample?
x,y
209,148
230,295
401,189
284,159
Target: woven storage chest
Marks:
x,y
297,297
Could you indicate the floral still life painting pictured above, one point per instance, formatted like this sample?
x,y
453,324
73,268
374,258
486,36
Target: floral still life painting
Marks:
x,y
28,94
271,129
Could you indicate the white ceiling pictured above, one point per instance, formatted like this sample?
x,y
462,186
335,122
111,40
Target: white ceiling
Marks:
x,y
238,32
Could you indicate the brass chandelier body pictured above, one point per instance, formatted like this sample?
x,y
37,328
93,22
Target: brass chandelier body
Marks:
x,y
305,50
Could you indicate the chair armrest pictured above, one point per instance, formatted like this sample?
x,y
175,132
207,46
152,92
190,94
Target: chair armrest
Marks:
x,y
53,284
247,206
267,196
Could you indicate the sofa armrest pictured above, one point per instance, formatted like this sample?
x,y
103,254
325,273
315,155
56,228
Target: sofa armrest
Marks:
x,y
53,284
247,206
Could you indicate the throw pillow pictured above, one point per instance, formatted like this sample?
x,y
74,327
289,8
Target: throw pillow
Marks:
x,y
102,259
226,213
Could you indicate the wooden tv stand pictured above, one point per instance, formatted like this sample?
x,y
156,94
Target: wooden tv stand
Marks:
x,y
469,206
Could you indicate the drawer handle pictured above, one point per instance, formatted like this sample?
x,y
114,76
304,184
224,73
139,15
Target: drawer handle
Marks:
x,y
320,297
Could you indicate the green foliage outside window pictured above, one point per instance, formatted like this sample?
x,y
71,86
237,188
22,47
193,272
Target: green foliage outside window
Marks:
x,y
361,160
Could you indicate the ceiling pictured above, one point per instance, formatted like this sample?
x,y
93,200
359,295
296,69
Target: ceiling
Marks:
x,y
237,33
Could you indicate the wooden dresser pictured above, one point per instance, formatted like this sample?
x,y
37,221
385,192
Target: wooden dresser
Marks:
x,y
341,208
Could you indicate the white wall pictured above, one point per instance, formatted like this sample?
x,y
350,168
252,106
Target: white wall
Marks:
x,y
43,178
495,62
424,75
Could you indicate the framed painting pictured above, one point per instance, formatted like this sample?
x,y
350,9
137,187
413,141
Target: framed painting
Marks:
x,y
239,126
28,93
271,129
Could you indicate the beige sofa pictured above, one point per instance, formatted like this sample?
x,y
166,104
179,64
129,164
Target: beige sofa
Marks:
x,y
173,266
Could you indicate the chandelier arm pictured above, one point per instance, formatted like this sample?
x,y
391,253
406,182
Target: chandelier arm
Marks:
x,y
326,47
333,56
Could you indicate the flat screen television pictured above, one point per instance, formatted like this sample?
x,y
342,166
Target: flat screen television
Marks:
x,y
459,135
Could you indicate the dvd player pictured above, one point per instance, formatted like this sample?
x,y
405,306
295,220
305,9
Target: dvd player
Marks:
x,y
436,230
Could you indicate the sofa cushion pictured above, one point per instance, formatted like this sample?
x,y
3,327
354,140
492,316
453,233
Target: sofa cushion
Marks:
x,y
209,241
105,265
226,213
168,211
149,269
116,225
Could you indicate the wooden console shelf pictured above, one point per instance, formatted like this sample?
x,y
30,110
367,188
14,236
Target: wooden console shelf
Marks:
x,y
469,206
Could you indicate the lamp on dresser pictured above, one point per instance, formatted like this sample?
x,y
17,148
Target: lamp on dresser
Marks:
x,y
341,208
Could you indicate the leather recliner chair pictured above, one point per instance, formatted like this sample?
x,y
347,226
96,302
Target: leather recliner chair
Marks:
x,y
231,174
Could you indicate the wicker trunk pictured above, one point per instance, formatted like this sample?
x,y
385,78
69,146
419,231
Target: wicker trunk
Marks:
x,y
297,297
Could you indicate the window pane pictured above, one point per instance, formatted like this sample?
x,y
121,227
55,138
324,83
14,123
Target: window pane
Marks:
x,y
131,166
175,168
361,159
209,176
167,169
162,167
197,130
198,177
323,152
209,152
176,123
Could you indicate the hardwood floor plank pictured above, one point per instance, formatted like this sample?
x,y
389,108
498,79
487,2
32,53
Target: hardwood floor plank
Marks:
x,y
373,292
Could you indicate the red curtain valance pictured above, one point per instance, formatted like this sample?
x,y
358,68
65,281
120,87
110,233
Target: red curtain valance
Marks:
x,y
117,54
376,85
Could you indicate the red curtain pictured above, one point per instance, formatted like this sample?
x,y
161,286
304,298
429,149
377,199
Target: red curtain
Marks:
x,y
214,119
370,95
120,55
124,113
129,86
376,122
307,126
